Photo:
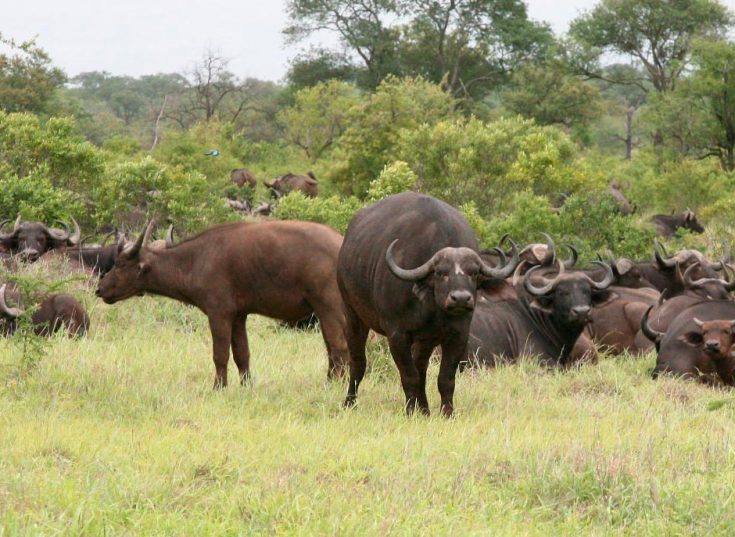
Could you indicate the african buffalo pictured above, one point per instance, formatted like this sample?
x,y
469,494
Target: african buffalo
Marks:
x,y
666,225
286,183
416,308
624,206
280,269
30,240
55,311
241,177
545,320
698,343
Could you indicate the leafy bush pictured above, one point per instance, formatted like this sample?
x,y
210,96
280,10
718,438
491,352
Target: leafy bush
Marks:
x,y
395,178
333,211
34,197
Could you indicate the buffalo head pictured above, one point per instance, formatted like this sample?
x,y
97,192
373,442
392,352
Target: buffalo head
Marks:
x,y
30,240
569,297
452,275
715,338
124,280
691,222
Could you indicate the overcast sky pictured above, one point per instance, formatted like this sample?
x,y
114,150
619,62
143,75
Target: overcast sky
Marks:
x,y
137,37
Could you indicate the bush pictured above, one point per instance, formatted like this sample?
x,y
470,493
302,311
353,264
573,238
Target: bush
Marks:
x,y
333,211
394,179
35,198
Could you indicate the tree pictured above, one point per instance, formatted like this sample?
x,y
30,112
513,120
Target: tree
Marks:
x,y
656,33
468,45
319,65
627,100
551,96
361,26
28,80
318,117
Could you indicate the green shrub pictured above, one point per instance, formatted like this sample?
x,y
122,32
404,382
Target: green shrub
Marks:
x,y
34,197
395,178
333,211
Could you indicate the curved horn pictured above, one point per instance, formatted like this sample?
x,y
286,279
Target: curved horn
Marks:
x,y
506,267
142,239
17,223
686,278
569,263
662,262
550,251
409,275
58,234
10,312
649,332
170,236
66,235
699,323
77,235
606,281
547,287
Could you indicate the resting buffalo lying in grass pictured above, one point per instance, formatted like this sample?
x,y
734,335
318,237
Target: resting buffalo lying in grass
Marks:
x,y
54,312
280,269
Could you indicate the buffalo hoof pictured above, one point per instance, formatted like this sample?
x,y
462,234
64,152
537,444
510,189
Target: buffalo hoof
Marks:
x,y
350,401
447,411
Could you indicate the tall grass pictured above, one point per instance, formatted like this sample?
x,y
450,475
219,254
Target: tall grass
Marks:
x,y
120,434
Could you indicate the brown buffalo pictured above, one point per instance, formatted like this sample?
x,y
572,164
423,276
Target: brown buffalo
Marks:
x,y
242,177
624,206
280,269
287,183
666,225
55,311
409,269
30,240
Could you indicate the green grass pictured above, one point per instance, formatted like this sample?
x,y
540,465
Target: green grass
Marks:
x,y
121,434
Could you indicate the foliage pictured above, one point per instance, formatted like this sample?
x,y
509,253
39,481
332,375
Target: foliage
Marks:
x,y
318,116
374,128
35,198
395,178
333,211
28,79
488,162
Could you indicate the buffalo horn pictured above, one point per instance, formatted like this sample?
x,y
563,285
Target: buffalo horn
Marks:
x,y
550,251
699,323
569,263
606,281
410,275
548,285
649,332
10,312
142,239
507,267
688,282
660,259
170,236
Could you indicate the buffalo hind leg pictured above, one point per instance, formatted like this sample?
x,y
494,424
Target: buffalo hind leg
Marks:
x,y
221,328
356,334
240,349
332,325
400,348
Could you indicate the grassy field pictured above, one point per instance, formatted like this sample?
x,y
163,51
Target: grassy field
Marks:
x,y
120,434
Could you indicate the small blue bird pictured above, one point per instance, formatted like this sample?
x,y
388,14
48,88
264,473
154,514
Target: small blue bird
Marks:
x,y
212,153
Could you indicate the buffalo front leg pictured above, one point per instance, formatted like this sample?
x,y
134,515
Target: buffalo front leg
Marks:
x,y
240,349
356,334
400,348
453,351
421,352
221,328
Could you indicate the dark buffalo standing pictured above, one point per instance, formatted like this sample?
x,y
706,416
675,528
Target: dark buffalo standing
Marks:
x,y
545,320
416,308
280,269
698,343
242,177
622,202
54,312
30,240
287,183
666,225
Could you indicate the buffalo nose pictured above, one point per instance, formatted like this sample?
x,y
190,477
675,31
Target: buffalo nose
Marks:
x,y
581,311
712,345
460,297
98,292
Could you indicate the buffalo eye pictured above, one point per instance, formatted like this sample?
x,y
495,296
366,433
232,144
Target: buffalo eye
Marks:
x,y
694,338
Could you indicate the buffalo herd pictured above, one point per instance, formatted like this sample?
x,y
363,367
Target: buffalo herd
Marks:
x,y
409,268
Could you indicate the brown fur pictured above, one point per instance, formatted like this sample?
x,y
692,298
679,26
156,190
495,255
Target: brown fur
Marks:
x,y
280,269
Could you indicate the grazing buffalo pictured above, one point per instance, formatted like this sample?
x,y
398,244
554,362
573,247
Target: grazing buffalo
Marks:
x,y
242,177
698,343
624,206
30,240
546,319
280,269
409,270
286,183
666,225
55,311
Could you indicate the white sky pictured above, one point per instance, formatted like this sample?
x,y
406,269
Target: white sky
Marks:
x,y
137,37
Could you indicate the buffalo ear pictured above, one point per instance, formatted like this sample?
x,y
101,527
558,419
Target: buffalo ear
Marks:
x,y
423,289
604,297
693,339
542,303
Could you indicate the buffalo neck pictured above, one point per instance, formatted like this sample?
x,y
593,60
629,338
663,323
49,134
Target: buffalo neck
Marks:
x,y
169,274
560,336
